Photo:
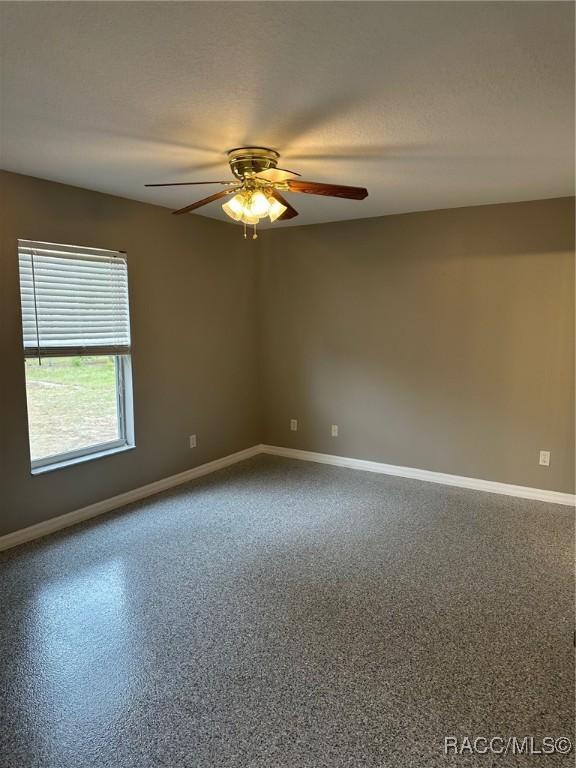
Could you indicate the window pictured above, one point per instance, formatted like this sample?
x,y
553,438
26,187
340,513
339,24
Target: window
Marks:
x,y
76,330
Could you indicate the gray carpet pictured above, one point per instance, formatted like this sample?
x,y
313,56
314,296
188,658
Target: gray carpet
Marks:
x,y
281,613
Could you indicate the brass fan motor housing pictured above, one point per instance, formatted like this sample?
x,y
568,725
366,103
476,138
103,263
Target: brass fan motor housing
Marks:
x,y
247,161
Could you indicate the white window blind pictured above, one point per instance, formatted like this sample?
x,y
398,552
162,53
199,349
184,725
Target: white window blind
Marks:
x,y
74,300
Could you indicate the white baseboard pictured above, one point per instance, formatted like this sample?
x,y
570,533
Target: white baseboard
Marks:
x,y
522,491
107,505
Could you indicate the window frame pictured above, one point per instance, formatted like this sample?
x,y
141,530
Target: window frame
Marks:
x,y
124,392
124,411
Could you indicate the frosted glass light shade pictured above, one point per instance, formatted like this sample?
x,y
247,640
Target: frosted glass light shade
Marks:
x,y
276,209
234,207
258,205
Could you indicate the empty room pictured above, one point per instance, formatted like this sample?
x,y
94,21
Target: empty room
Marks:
x,y
287,400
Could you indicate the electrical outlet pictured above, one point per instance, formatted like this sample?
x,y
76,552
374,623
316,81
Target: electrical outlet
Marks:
x,y
294,425
334,430
545,458
193,442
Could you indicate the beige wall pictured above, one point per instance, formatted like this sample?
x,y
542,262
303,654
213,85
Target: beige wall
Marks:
x,y
440,340
193,327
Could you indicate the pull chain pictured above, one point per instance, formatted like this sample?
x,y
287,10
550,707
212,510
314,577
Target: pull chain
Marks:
x,y
254,236
244,223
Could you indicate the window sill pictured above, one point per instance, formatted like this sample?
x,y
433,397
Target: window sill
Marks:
x,y
80,459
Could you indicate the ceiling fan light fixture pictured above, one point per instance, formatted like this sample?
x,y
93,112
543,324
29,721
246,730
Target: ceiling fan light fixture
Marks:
x,y
251,206
258,187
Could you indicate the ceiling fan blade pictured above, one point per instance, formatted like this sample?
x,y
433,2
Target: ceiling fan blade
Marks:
x,y
187,183
276,174
206,200
329,190
290,212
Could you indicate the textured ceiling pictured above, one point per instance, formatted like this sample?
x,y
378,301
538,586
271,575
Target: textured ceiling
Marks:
x,y
428,105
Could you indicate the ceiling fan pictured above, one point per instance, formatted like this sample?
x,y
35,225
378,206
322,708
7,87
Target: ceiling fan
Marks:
x,y
257,189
